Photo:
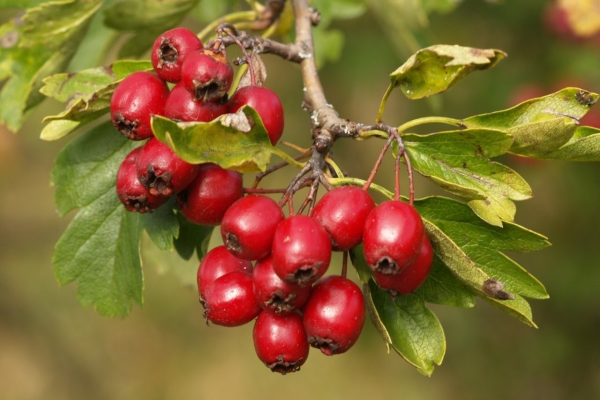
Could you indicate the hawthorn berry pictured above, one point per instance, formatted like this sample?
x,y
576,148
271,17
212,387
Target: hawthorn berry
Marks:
x,y
170,49
207,74
392,236
210,194
274,294
134,101
182,106
266,103
301,250
248,226
412,276
216,263
161,171
280,341
343,212
133,195
334,315
230,300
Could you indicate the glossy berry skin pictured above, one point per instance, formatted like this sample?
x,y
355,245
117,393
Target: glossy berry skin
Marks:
x,y
216,263
343,212
207,74
161,171
134,101
131,193
248,226
280,341
266,103
412,276
230,301
274,294
170,49
210,194
181,106
392,237
334,315
301,250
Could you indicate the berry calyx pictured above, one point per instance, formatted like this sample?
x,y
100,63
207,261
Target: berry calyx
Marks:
x,y
266,103
343,212
301,250
182,106
280,341
210,194
161,171
392,237
170,49
274,294
334,315
412,276
207,74
216,263
131,109
133,195
230,301
248,226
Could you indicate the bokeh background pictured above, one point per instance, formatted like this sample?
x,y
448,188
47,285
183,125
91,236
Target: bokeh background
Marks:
x,y
53,348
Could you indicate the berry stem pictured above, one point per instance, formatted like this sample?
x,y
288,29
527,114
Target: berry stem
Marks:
x,y
229,18
397,176
344,264
277,167
430,120
232,32
378,163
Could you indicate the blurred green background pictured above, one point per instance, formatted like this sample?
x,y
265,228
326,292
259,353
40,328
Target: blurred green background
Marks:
x,y
53,348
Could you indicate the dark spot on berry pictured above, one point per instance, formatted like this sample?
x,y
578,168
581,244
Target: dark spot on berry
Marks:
x,y
304,275
168,53
284,367
232,243
209,91
327,346
280,304
127,127
387,266
136,203
157,183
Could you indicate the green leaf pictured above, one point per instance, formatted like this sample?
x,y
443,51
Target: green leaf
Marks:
x,y
539,126
218,141
483,244
159,15
100,252
408,326
338,9
518,308
441,6
192,238
87,94
436,68
459,162
328,45
357,257
162,225
441,287
87,167
583,146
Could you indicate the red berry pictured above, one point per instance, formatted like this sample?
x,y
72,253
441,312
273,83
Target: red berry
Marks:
x,y
392,237
334,315
169,51
132,194
266,103
230,301
248,226
280,341
210,194
217,263
301,250
181,106
207,74
161,171
134,101
343,212
274,294
412,276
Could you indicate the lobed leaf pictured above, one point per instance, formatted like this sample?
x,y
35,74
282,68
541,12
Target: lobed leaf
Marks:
x,y
87,94
408,326
100,252
539,126
436,69
483,244
458,161
221,141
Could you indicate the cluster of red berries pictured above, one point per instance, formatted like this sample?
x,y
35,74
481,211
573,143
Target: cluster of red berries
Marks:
x,y
201,78
295,307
